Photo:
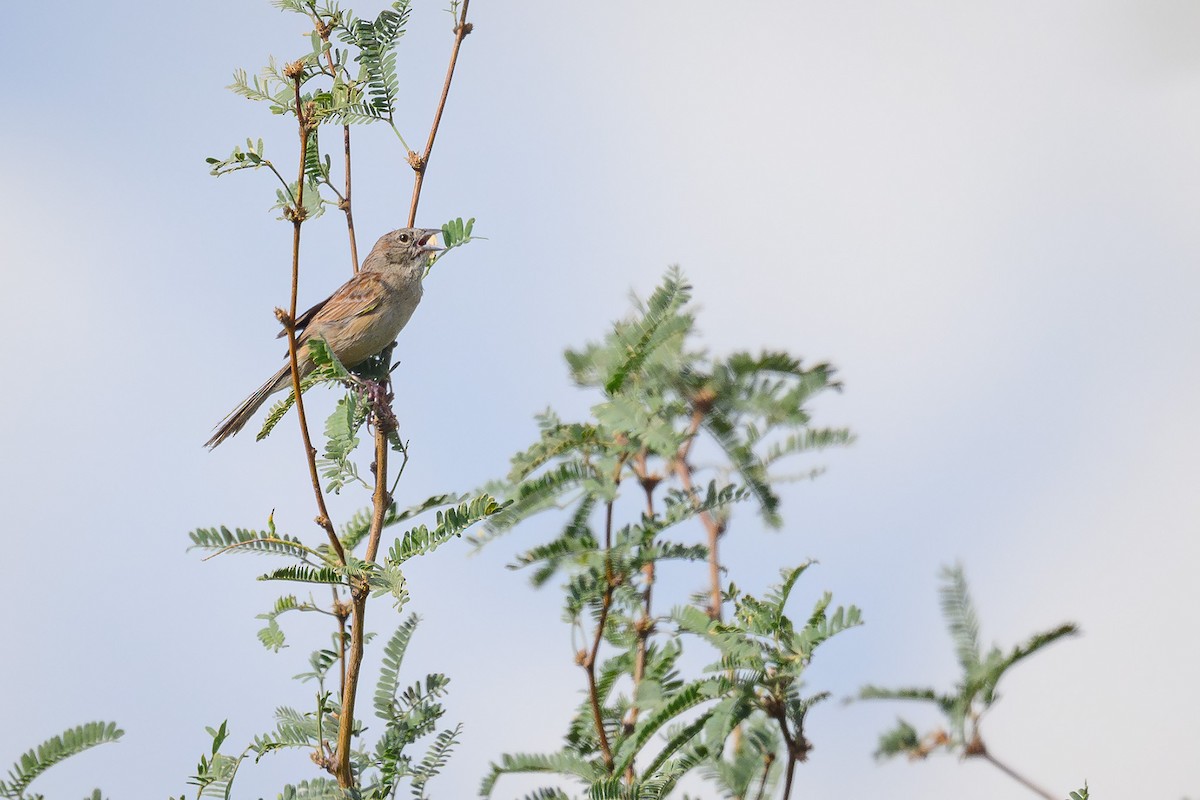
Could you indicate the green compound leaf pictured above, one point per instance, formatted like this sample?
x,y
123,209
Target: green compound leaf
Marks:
x,y
55,749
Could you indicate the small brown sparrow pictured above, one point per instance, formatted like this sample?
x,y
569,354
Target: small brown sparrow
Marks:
x,y
357,321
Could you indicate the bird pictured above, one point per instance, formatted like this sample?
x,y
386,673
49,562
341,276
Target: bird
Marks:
x,y
357,321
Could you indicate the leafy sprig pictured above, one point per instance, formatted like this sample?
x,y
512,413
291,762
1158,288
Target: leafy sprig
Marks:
x,y
37,760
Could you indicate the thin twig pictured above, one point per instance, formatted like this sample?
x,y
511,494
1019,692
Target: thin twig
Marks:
x,y
403,464
644,625
420,163
286,188
768,760
323,31
790,746
340,613
1016,776
593,691
589,661
323,754
345,203
310,452
267,539
713,528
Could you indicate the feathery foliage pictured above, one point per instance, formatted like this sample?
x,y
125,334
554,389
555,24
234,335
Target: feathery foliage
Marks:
x,y
389,675
279,409
642,726
455,234
355,531
272,636
341,440
902,739
959,613
376,43
315,789
244,540
37,760
302,573
450,524
975,692
435,760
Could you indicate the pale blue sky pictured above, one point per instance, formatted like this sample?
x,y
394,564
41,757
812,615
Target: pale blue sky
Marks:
x,y
984,214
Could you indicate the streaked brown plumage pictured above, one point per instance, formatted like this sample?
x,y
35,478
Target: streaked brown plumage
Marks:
x,y
357,321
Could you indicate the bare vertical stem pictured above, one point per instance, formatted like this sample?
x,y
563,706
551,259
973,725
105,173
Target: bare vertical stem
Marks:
x,y
342,768
359,592
420,162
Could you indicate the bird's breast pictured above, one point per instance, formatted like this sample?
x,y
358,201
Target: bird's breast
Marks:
x,y
366,334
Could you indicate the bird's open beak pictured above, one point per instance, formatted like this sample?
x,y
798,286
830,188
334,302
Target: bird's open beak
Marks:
x,y
428,240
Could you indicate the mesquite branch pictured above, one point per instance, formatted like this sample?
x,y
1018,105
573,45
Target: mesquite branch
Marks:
x,y
384,424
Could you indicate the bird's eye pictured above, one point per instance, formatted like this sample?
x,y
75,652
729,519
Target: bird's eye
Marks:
x,y
405,238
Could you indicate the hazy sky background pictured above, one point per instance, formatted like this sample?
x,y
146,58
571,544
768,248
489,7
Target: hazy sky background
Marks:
x,y
984,214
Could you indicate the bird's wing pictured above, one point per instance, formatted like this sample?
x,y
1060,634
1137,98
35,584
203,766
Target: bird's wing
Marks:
x,y
357,297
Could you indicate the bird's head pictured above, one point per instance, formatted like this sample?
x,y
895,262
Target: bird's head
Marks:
x,y
403,247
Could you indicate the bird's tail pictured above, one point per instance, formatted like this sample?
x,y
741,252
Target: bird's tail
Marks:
x,y
237,419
